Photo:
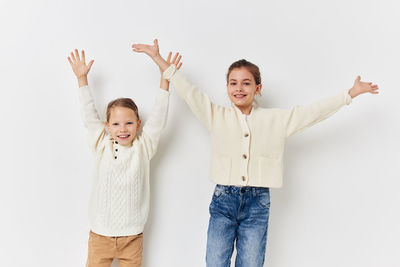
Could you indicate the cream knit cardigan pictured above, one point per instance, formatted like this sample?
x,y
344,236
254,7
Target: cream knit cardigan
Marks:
x,y
250,153
120,198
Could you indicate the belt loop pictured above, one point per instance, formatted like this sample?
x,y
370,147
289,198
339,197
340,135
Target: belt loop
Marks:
x,y
254,191
115,245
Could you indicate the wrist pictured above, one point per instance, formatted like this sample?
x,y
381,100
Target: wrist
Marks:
x,y
164,84
157,59
353,93
82,81
162,64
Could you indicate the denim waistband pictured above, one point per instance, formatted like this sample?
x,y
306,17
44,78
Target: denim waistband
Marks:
x,y
242,189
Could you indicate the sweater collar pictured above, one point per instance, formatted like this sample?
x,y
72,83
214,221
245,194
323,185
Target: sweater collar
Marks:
x,y
239,112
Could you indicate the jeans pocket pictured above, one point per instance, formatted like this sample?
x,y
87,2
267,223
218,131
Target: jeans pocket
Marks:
x,y
218,192
263,199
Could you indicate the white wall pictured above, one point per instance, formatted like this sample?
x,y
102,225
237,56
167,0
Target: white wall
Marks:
x,y
339,205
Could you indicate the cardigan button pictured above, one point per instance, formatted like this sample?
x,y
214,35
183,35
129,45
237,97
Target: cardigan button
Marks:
x,y
246,135
243,178
116,150
115,157
244,156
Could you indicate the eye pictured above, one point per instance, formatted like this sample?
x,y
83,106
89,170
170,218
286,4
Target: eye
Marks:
x,y
232,83
129,122
115,124
247,83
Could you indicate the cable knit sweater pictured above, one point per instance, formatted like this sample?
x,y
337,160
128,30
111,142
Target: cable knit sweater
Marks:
x,y
120,198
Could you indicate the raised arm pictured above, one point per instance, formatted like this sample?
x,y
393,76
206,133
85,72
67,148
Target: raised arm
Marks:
x,y
90,117
164,83
302,117
198,102
158,117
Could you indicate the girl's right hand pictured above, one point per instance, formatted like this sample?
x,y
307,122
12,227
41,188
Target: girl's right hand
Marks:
x,y
78,64
176,60
164,84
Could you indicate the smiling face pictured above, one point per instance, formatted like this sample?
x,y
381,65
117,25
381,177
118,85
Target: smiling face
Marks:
x,y
123,125
242,88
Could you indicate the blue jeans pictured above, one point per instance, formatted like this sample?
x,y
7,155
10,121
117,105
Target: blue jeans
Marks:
x,y
238,214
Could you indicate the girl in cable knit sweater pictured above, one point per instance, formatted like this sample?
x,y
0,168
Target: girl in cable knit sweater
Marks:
x,y
119,202
247,154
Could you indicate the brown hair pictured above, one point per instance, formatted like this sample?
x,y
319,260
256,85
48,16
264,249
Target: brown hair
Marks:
x,y
243,63
122,102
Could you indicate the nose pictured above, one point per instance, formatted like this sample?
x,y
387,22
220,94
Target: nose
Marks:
x,y
123,128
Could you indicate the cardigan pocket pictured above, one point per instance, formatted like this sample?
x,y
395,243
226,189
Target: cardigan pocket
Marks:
x,y
221,168
269,169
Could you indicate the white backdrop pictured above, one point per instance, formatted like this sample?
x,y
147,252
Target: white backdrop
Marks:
x,y
339,205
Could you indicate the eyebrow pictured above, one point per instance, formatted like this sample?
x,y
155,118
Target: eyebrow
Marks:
x,y
243,80
123,122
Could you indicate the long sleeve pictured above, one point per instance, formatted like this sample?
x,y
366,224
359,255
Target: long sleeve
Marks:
x,y
301,117
91,120
155,123
199,103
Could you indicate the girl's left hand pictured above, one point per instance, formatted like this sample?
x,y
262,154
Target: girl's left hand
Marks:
x,y
150,50
153,51
360,87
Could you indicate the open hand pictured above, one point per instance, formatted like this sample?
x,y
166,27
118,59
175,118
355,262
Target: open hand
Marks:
x,y
360,87
176,60
164,84
78,64
151,50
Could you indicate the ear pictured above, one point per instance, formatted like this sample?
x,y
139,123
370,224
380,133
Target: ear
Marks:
x,y
258,89
108,125
139,122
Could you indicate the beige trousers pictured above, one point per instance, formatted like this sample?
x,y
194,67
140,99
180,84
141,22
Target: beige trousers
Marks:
x,y
103,249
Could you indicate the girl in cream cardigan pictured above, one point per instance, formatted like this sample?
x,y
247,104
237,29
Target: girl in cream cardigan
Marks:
x,y
247,154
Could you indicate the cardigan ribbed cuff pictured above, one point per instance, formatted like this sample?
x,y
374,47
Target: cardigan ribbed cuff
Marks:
x,y
169,72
